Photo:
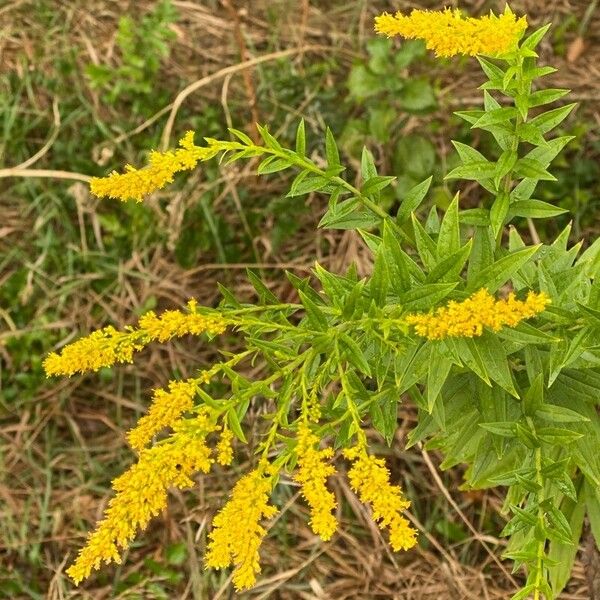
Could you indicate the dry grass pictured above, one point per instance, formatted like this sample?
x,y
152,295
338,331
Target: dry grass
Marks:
x,y
63,443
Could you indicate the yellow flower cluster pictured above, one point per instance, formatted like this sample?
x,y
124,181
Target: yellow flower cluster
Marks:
x,y
166,408
237,532
369,478
224,448
313,470
141,493
468,318
109,346
137,183
448,33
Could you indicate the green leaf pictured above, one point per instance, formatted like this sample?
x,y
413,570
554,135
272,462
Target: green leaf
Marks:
x,y
383,410
533,169
558,436
546,96
474,171
331,151
367,164
449,237
314,314
550,119
269,140
301,139
412,200
505,163
562,554
494,358
396,259
305,183
353,354
450,268
241,136
533,400
234,425
498,115
503,429
349,214
273,165
425,296
499,211
482,254
497,274
425,245
376,184
480,217
559,414
531,42
535,209
439,369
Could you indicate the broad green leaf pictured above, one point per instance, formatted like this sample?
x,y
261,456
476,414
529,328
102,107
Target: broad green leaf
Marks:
x,y
474,171
496,364
498,273
349,214
533,169
560,414
450,268
439,369
314,314
546,96
550,119
449,237
425,245
499,211
535,209
331,151
482,254
306,183
426,296
498,115
412,200
532,40
352,352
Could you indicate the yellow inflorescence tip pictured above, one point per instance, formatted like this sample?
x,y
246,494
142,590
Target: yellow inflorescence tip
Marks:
x,y
448,33
134,183
470,317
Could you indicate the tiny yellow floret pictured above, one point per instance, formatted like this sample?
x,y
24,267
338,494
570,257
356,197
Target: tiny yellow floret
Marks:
x,y
237,531
109,346
470,317
166,408
312,473
448,33
141,493
369,478
137,183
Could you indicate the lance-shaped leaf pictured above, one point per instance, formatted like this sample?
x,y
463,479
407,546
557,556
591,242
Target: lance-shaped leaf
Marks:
x,y
498,273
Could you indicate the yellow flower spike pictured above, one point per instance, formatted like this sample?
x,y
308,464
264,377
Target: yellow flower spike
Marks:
x,y
448,33
369,478
224,448
312,473
468,318
137,183
237,532
109,346
141,493
166,408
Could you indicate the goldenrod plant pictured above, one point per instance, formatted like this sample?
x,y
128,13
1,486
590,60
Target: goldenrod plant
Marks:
x,y
495,340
